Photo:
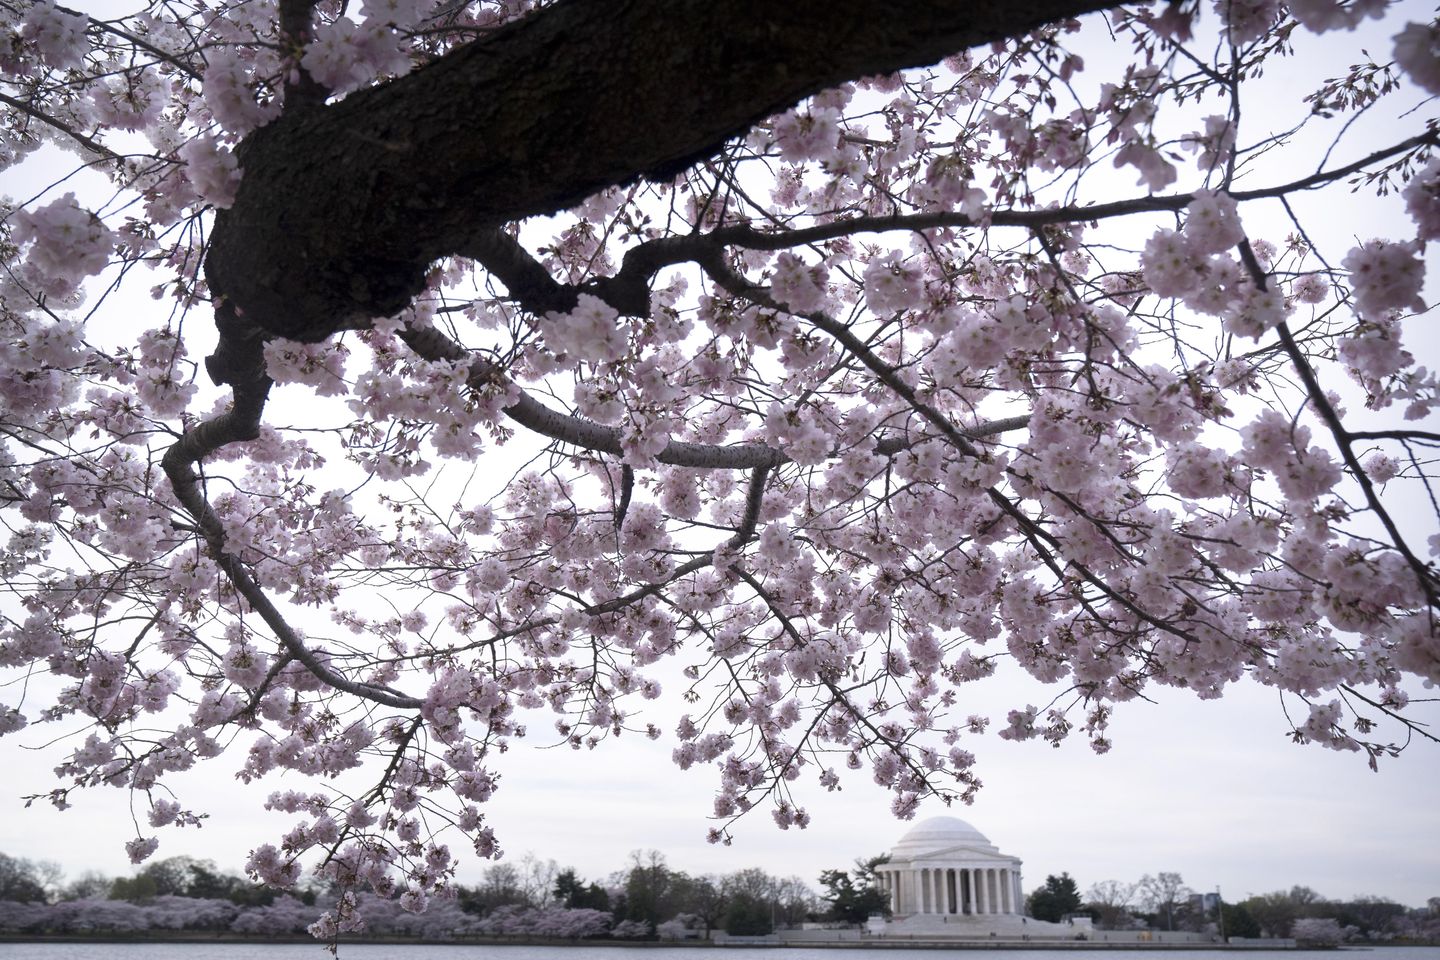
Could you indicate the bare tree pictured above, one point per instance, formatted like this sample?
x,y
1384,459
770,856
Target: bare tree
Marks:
x,y
1164,894
1111,899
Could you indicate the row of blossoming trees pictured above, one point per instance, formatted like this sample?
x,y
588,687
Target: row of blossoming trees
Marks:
x,y
528,898
853,366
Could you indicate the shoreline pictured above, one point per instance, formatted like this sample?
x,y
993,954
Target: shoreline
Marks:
x,y
601,943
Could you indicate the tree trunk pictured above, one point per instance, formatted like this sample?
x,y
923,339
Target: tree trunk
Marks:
x,y
343,207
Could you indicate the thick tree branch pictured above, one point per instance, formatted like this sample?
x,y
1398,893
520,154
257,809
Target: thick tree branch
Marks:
x,y
1424,576
343,207
301,90
531,285
431,344
241,423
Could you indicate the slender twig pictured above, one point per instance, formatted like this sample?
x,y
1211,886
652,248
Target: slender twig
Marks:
x,y
89,144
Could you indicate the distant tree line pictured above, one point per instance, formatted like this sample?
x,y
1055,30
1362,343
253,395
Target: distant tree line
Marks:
x,y
1163,901
531,897
647,897
30,881
528,897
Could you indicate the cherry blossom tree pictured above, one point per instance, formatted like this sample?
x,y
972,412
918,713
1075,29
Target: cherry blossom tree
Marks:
x,y
1320,932
631,930
190,913
563,923
287,916
17,916
808,359
93,917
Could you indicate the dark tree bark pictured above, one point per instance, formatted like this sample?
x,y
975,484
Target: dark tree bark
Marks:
x,y
343,207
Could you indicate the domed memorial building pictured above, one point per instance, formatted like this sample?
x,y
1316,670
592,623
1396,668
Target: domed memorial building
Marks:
x,y
949,884
945,868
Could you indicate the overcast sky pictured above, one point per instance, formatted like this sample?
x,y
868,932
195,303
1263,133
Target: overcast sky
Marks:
x,y
1212,790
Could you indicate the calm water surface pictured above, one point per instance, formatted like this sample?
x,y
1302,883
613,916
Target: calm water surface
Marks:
x,y
385,951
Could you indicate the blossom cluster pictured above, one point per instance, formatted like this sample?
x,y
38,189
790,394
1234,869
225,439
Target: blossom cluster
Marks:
x,y
65,244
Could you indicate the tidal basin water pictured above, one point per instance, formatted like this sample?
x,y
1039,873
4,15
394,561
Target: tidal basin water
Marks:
x,y
390,951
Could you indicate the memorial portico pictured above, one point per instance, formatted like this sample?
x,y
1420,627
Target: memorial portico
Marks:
x,y
945,867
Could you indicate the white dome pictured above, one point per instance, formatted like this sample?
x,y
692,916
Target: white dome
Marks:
x,y
940,833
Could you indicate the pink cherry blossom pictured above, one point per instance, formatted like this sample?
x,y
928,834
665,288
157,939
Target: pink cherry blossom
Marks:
x,y
140,849
892,285
1422,200
66,243
211,169
1247,20
59,35
1385,276
1311,288
592,331
810,136
799,286
1212,223
1169,264
1417,51
344,56
236,97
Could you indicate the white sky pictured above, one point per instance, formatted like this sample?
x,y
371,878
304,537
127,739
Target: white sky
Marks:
x,y
1212,790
